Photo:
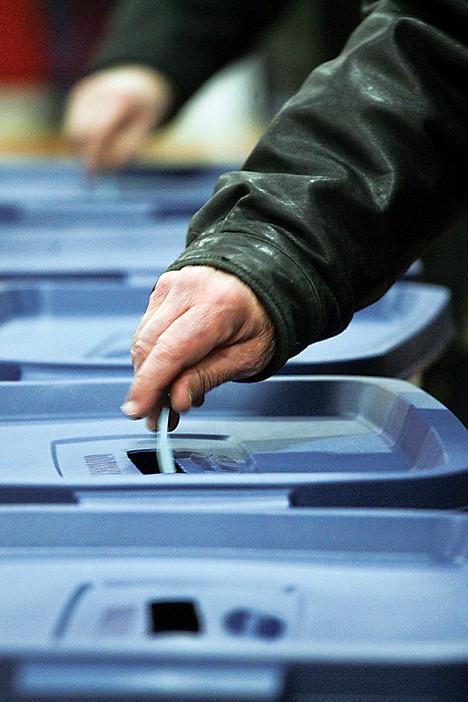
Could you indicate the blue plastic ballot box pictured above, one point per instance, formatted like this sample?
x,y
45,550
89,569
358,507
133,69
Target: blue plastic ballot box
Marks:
x,y
74,329
36,215
84,251
36,199
61,181
275,607
399,335
66,227
249,446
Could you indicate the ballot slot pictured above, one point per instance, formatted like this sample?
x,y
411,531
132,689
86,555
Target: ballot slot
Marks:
x,y
340,589
186,461
146,461
219,605
325,584
170,616
102,456
266,439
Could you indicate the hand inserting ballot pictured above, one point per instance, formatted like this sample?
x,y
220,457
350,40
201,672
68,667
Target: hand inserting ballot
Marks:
x,y
110,113
202,327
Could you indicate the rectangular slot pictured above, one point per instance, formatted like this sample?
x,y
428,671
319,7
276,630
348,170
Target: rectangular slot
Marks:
x,y
146,460
138,455
178,616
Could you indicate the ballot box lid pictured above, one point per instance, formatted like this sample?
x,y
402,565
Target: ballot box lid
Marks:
x,y
85,328
279,440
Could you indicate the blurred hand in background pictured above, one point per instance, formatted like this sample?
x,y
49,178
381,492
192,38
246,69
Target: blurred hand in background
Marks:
x,y
110,114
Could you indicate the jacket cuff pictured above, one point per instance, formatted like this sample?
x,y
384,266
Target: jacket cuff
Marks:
x,y
279,285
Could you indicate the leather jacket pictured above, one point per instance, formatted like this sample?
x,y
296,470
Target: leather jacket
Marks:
x,y
354,177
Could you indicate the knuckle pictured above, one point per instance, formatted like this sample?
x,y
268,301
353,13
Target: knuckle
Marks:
x,y
167,351
139,350
205,381
155,297
230,297
161,289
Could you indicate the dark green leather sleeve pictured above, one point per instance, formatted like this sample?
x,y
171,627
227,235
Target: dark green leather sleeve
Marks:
x,y
359,171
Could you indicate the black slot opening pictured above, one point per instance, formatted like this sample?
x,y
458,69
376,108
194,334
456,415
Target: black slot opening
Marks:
x,y
9,214
172,616
146,460
10,371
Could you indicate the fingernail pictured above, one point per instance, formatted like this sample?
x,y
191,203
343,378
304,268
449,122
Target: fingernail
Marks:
x,y
130,409
151,424
190,397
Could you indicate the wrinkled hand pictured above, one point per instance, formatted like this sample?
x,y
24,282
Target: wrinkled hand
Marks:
x,y
202,327
110,114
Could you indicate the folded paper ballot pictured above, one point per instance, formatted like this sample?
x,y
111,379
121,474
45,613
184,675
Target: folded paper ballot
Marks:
x,y
163,445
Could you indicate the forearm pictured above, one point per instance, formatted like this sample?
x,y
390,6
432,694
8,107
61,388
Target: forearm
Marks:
x,y
357,174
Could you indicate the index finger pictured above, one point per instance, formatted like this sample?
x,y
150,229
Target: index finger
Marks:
x,y
156,298
190,338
